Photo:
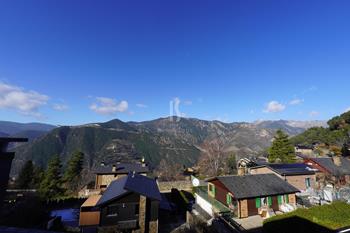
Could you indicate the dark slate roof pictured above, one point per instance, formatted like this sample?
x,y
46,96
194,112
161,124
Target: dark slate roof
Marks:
x,y
304,147
291,169
132,183
114,190
122,168
250,186
327,163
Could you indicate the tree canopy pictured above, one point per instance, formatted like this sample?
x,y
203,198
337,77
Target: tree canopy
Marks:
x,y
72,174
281,150
51,186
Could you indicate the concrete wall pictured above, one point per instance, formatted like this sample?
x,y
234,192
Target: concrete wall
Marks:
x,y
206,206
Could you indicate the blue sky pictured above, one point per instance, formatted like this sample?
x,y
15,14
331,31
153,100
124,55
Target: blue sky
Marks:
x,y
73,62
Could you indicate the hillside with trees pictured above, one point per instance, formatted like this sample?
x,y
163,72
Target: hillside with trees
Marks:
x,y
337,133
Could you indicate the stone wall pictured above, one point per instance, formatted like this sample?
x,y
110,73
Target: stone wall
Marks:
x,y
153,227
142,214
244,208
292,199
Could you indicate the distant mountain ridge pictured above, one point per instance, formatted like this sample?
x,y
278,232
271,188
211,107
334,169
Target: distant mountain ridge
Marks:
x,y
177,140
13,128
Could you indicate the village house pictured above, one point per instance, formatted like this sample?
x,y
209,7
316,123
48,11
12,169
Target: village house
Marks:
x,y
105,174
129,204
332,170
247,195
304,150
299,175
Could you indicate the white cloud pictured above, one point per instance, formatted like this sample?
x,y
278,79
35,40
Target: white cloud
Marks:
x,y
296,102
347,110
274,106
108,106
314,113
25,102
60,107
187,102
141,105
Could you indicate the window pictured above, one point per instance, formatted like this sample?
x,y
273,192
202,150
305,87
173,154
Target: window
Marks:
x,y
280,199
137,209
286,198
307,182
269,201
112,210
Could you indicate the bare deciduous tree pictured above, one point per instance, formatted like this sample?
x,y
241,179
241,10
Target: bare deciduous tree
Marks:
x,y
213,158
169,171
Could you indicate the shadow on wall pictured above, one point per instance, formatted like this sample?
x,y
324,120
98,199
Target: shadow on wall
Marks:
x,y
295,224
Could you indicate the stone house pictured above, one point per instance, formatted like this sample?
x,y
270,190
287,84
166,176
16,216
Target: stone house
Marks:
x,y
129,204
299,175
105,174
331,170
248,195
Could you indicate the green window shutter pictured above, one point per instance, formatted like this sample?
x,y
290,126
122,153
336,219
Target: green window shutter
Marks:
x,y
286,197
269,201
258,202
214,190
228,199
279,199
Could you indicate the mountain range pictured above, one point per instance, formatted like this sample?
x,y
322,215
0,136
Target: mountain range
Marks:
x,y
178,140
27,130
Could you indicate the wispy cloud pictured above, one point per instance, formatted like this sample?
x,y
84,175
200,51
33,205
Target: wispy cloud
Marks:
x,y
60,107
25,102
188,102
108,106
296,102
141,105
274,106
314,113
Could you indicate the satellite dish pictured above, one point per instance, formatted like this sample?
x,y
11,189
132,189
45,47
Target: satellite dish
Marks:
x,y
195,182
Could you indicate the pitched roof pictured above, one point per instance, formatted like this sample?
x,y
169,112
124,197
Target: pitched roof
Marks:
x,y
327,163
291,169
91,201
122,168
135,183
250,186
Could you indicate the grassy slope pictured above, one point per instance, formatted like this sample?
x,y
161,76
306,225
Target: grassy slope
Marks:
x,y
334,216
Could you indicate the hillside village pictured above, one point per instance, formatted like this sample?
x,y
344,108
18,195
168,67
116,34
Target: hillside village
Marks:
x,y
304,184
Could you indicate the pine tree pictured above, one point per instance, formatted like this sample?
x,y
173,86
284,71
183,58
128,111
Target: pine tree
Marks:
x,y
38,177
51,186
232,164
73,171
282,149
25,177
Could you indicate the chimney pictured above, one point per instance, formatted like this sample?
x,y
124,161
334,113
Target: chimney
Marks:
x,y
114,168
241,171
337,160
